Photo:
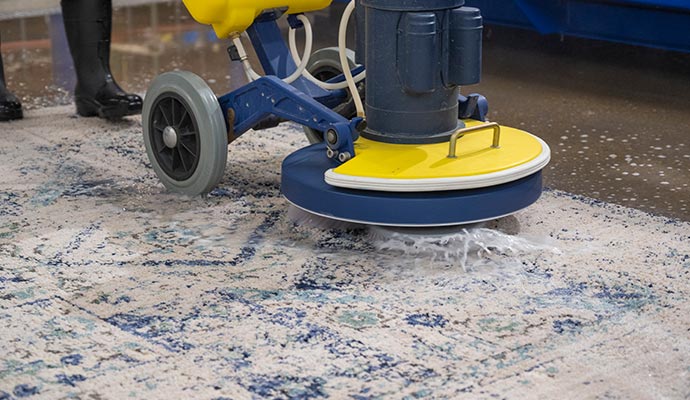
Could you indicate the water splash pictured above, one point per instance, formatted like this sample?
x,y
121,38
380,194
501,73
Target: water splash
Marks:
x,y
469,245
490,243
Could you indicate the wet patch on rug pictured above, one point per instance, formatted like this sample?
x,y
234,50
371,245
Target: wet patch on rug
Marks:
x,y
111,287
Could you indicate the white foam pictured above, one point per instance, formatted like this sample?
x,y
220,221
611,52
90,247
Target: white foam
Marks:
x,y
469,246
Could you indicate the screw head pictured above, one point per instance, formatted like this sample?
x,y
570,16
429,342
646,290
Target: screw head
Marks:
x,y
332,136
330,153
344,156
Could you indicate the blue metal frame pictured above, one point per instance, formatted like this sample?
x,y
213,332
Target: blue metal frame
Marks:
x,y
269,97
275,57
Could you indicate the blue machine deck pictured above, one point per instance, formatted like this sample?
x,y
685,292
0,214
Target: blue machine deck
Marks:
x,y
303,185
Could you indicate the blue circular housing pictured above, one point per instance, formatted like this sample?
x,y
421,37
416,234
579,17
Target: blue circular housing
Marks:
x,y
303,185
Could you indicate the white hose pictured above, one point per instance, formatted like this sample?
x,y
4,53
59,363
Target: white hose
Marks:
x,y
308,41
325,85
342,49
350,81
248,70
301,68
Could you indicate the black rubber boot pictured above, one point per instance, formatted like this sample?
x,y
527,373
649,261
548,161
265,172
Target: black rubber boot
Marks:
x,y
10,107
88,24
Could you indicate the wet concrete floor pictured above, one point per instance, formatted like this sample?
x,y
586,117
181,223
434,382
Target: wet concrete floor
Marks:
x,y
617,117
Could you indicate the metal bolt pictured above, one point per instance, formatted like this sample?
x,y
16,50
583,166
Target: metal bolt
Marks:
x,y
330,153
170,137
332,136
344,156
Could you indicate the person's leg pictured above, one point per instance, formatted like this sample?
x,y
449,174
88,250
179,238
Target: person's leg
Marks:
x,y
88,24
10,107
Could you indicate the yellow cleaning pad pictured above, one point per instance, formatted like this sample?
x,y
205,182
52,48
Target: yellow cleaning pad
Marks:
x,y
475,156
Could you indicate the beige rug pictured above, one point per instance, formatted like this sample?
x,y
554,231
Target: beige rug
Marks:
x,y
112,288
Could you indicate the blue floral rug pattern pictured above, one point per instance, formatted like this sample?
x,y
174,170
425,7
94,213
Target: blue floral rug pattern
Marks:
x,y
112,288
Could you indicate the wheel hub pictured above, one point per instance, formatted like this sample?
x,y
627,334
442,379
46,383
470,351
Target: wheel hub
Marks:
x,y
174,135
170,137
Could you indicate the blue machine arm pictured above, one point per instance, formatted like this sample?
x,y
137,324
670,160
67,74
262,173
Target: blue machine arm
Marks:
x,y
275,58
254,102
302,101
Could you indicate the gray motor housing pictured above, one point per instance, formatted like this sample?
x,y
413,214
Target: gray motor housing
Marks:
x,y
417,54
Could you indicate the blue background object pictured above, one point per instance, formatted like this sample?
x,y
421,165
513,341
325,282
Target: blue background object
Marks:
x,y
663,24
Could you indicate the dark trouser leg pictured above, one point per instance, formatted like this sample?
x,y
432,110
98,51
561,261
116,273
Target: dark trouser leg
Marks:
x,y
88,24
10,107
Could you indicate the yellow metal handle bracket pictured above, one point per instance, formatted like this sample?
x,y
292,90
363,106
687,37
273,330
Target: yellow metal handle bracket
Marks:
x,y
473,129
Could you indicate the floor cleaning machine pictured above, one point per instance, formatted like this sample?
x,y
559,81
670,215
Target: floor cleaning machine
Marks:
x,y
393,142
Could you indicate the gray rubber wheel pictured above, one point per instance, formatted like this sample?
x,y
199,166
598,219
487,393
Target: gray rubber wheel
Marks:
x,y
185,133
324,64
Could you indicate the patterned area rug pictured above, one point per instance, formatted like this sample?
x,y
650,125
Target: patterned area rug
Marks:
x,y
112,288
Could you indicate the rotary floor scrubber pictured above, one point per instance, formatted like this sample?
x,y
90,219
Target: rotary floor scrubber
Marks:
x,y
415,152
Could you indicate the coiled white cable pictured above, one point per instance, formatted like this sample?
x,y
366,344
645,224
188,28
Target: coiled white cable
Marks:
x,y
302,65
325,85
342,49
350,81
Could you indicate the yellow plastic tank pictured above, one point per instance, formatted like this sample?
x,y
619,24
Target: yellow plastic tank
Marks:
x,y
234,16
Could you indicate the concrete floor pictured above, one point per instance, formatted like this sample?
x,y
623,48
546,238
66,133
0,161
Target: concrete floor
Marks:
x,y
615,116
